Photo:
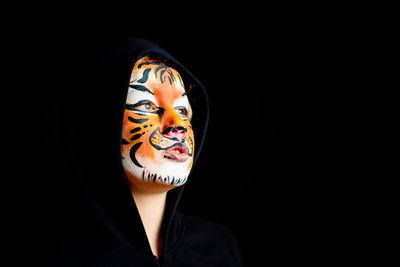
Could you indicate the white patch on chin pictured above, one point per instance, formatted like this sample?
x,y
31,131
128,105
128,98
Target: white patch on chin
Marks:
x,y
167,171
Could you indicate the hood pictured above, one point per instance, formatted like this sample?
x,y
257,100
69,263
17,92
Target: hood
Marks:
x,y
92,125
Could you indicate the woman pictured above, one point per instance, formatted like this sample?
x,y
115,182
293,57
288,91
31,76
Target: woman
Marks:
x,y
133,133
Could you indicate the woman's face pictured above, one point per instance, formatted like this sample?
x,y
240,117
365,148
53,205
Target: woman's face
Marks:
x,y
157,137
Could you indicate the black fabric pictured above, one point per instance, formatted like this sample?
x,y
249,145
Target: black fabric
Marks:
x,y
100,223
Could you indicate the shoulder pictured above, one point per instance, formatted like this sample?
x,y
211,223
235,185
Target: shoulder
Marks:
x,y
209,242
196,226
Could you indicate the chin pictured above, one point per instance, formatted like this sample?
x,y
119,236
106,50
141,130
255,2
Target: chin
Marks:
x,y
164,171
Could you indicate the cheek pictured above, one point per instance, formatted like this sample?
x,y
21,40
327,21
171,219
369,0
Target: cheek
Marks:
x,y
190,141
146,150
133,133
190,137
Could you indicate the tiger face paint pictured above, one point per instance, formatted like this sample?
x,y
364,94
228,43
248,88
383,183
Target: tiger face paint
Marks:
x,y
157,138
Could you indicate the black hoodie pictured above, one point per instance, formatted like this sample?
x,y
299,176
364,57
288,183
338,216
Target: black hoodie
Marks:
x,y
102,226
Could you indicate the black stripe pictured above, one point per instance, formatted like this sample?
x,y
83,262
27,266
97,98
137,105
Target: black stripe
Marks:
x,y
161,76
145,76
137,129
158,68
140,88
132,152
138,121
132,107
124,142
136,136
149,63
180,80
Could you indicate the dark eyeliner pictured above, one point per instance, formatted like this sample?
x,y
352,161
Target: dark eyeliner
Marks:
x,y
141,102
182,107
134,107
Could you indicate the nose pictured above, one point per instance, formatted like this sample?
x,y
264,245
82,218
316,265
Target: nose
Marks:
x,y
172,125
177,132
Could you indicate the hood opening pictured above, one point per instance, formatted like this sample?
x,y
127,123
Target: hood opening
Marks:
x,y
93,141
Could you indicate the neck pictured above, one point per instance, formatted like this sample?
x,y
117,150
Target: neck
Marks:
x,y
151,208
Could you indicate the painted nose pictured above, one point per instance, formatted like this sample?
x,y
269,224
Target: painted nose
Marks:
x,y
177,132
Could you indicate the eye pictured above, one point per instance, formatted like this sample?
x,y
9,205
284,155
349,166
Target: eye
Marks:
x,y
146,105
182,111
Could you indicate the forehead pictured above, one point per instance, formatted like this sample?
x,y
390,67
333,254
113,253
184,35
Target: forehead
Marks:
x,y
156,74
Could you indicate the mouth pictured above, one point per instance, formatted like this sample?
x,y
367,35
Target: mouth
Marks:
x,y
177,152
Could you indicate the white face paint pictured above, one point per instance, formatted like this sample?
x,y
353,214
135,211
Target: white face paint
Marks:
x,y
157,137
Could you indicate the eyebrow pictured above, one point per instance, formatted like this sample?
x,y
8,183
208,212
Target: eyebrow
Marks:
x,y
140,88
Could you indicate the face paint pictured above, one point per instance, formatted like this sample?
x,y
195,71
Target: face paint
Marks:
x,y
157,137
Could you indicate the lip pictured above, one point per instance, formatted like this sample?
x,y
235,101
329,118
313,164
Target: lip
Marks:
x,y
177,152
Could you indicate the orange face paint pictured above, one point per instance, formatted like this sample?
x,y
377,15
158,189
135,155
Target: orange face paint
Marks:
x,y
157,137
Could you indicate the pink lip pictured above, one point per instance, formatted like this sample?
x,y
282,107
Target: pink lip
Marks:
x,y
177,152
